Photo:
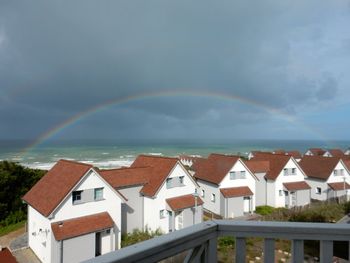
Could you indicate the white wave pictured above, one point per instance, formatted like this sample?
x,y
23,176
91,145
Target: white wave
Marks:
x,y
156,154
38,165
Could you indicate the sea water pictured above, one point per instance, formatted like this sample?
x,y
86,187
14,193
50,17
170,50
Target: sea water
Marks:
x,y
119,153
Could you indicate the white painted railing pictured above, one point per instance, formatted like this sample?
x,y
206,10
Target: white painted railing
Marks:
x,y
201,241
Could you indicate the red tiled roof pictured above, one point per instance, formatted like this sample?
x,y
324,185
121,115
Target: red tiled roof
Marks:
x,y
318,166
317,151
81,226
276,163
6,256
295,154
294,186
54,186
336,152
236,191
215,167
123,177
161,168
182,202
339,186
258,166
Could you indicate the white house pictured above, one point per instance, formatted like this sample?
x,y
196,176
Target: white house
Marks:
x,y
73,214
328,176
281,180
160,194
227,186
315,152
334,153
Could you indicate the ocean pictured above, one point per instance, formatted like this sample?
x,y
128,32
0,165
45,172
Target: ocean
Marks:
x,y
113,153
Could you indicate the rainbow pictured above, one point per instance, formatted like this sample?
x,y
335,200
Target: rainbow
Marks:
x,y
159,94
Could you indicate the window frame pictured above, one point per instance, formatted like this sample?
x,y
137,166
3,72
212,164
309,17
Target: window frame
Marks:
x,y
203,193
96,198
318,192
213,198
76,194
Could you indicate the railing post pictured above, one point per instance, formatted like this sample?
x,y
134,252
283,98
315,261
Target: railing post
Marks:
x,y
212,250
326,251
297,250
269,250
240,250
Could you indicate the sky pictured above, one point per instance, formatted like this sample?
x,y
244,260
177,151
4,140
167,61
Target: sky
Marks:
x,y
175,69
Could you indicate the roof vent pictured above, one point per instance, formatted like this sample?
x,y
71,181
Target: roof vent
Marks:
x,y
60,224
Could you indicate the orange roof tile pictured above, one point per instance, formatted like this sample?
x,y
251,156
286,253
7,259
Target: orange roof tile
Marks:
x,y
54,186
317,151
182,202
236,191
161,168
294,186
318,166
258,166
81,226
276,163
336,152
215,167
126,177
339,186
295,154
6,256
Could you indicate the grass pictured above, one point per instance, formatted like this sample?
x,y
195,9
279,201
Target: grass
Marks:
x,y
4,230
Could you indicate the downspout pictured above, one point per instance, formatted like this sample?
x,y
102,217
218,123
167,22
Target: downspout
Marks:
x,y
265,190
143,212
61,251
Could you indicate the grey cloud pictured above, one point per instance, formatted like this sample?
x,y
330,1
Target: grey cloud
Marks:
x,y
61,58
328,89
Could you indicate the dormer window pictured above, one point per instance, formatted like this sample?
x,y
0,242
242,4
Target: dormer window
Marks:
x,y
76,197
181,180
98,194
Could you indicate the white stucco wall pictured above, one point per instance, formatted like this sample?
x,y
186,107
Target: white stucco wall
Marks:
x,y
326,192
39,235
260,190
152,206
226,182
299,176
111,203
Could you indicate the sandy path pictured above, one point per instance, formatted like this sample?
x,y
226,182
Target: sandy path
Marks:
x,y
6,239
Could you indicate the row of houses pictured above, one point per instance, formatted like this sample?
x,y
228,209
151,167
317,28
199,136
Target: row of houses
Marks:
x,y
77,211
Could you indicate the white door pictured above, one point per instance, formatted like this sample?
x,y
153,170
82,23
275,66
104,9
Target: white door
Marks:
x,y
246,204
179,220
294,198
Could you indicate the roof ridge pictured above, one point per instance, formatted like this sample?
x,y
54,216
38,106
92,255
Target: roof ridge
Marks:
x,y
75,162
124,168
160,157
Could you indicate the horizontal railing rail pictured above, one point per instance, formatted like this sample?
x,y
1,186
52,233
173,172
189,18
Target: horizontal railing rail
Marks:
x,y
201,241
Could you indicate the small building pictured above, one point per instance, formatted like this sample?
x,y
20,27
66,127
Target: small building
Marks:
x,y
315,152
281,181
227,186
160,194
73,214
328,177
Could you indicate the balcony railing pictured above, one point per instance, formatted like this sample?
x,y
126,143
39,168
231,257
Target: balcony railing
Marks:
x,y
201,241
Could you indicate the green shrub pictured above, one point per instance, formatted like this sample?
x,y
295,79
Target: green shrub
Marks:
x,y
346,207
226,242
264,210
137,236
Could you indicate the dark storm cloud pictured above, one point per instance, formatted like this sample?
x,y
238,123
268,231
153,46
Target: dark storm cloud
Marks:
x,y
59,58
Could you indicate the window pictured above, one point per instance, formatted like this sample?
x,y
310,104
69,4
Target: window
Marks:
x,y
181,180
335,172
318,190
162,213
285,171
294,171
280,193
76,195
342,172
237,175
169,183
98,194
213,198
203,193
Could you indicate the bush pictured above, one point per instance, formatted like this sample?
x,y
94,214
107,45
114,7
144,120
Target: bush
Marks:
x,y
137,236
346,207
226,242
264,210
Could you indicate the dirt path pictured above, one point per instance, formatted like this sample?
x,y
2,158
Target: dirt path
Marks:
x,y
6,239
